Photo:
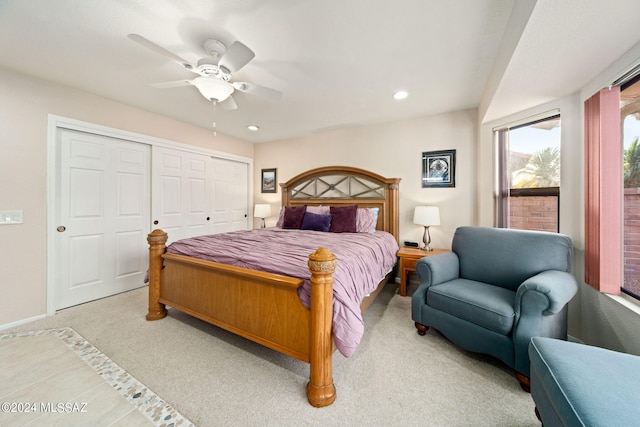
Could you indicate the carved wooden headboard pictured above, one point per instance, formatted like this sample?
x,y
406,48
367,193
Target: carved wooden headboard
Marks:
x,y
344,186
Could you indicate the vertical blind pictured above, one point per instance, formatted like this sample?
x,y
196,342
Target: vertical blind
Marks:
x,y
603,191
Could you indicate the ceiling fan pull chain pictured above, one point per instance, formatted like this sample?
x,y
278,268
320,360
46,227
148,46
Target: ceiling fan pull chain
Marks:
x,y
214,123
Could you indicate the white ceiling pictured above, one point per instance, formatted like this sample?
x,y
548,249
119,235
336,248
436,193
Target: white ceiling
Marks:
x,y
337,62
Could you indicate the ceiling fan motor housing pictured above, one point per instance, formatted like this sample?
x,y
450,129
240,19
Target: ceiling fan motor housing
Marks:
x,y
208,67
214,48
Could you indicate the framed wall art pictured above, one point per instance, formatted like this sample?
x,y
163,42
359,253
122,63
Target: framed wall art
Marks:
x,y
439,168
269,180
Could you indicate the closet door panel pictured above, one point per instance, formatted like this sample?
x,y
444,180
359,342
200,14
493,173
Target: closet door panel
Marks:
x,y
196,194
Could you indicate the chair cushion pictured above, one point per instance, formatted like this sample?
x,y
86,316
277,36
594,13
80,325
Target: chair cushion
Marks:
x,y
485,305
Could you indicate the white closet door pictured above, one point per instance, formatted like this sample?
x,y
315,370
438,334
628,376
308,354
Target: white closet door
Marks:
x,y
196,194
103,215
182,193
231,204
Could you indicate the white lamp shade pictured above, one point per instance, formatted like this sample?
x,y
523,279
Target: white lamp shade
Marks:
x,y
262,211
212,88
426,215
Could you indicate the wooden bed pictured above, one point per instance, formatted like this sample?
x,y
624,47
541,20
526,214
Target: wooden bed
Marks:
x,y
265,307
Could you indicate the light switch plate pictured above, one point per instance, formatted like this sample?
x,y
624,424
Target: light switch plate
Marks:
x,y
10,217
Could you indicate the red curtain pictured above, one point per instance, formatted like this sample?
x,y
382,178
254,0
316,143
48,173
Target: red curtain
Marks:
x,y
603,191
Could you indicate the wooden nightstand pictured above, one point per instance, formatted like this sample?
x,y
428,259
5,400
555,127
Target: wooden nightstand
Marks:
x,y
408,259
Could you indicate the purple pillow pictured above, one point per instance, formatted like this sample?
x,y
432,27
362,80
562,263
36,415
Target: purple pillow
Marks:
x,y
316,222
293,216
343,219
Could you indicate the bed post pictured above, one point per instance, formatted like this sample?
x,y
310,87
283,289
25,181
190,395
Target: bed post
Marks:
x,y
156,239
320,389
393,207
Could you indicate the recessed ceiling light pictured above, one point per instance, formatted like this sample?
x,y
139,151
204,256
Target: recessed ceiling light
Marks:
x,y
253,128
401,94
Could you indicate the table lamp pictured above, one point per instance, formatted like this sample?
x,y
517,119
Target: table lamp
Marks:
x,y
426,216
262,211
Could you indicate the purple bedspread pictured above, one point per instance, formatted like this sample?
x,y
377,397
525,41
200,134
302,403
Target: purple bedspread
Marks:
x,y
363,259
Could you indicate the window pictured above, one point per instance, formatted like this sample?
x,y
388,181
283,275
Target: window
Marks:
x,y
630,116
529,175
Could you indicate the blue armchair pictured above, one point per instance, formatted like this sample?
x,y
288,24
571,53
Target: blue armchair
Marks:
x,y
496,290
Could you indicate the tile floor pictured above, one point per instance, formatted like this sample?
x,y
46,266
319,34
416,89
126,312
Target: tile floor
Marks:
x,y
55,377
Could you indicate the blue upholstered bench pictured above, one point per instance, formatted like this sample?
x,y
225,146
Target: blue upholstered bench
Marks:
x,y
579,385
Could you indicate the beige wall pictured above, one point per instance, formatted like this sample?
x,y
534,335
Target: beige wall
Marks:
x,y
392,150
24,109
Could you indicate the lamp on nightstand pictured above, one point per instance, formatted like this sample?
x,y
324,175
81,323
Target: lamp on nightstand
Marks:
x,y
426,216
262,211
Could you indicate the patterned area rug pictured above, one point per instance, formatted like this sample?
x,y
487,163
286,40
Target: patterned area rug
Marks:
x,y
154,409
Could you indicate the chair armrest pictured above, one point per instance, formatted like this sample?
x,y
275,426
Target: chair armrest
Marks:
x,y
439,268
557,286
432,270
540,311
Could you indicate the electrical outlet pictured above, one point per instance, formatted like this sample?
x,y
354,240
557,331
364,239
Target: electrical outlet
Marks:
x,y
10,217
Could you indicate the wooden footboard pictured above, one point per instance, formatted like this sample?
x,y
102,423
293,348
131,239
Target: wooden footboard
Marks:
x,y
262,307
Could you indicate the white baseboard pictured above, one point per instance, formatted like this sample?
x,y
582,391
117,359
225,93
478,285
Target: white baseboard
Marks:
x,y
22,322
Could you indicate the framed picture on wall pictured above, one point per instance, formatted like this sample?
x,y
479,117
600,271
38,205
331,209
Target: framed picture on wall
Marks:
x,y
269,180
439,168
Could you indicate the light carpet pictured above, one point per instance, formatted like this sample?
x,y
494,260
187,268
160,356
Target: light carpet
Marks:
x,y
56,377
215,378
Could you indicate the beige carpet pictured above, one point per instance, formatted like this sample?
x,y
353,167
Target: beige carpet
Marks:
x,y
214,378
55,377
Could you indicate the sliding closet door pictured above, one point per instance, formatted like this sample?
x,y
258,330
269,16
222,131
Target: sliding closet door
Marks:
x,y
110,192
182,193
196,194
102,216
230,206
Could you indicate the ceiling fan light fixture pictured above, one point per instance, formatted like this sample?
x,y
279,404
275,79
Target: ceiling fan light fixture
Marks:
x,y
213,88
401,94
215,71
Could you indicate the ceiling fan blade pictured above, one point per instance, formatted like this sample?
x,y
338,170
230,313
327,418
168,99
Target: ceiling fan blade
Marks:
x,y
228,104
236,57
254,89
175,83
160,50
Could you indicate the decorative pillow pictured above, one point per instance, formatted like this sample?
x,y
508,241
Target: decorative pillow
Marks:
x,y
320,210
366,220
293,216
316,222
343,219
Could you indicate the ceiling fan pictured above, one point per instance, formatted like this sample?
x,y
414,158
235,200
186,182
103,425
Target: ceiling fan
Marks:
x,y
215,71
